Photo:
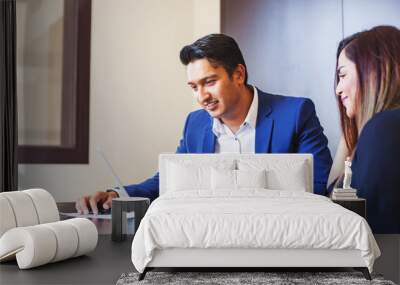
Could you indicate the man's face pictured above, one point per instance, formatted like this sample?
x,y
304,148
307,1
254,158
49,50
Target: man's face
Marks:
x,y
214,90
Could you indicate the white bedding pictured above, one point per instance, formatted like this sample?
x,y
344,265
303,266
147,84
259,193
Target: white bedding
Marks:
x,y
250,218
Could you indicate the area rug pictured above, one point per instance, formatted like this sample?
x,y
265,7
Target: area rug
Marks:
x,y
230,278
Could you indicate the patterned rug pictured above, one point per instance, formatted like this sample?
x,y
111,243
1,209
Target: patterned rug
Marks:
x,y
230,278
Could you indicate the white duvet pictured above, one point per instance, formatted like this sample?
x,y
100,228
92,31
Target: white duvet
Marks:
x,y
252,218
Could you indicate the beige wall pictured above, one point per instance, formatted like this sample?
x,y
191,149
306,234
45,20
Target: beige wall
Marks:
x,y
206,17
139,98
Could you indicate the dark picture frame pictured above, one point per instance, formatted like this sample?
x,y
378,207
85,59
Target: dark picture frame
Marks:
x,y
74,147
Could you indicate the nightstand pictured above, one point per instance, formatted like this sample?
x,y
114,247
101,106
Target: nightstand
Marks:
x,y
358,206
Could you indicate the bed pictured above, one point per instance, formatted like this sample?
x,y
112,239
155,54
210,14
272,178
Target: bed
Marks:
x,y
247,210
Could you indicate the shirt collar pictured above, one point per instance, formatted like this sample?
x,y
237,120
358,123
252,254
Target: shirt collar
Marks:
x,y
251,118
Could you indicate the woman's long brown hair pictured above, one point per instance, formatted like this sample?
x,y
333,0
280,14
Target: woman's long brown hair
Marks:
x,y
376,54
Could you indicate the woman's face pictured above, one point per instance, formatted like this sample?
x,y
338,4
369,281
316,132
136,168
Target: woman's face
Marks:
x,y
347,86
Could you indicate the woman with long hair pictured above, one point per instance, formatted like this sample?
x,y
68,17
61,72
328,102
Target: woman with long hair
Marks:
x,y
368,95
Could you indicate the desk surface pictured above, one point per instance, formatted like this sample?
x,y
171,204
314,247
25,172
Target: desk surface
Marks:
x,y
104,265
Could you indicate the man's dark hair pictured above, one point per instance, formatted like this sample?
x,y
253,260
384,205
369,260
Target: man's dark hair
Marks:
x,y
219,49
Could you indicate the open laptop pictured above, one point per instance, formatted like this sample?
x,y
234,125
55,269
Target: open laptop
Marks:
x,y
104,213
121,189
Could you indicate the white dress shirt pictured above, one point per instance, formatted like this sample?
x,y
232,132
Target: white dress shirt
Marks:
x,y
244,140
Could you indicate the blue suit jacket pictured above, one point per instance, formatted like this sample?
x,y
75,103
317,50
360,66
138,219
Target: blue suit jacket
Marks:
x,y
284,125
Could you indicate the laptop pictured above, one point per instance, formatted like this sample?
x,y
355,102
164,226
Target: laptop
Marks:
x,y
121,189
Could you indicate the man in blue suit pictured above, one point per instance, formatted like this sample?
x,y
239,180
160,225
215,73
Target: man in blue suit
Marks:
x,y
235,117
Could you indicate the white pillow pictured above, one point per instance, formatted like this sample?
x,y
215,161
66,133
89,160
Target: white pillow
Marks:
x,y
187,177
251,178
193,175
223,179
292,179
285,174
236,179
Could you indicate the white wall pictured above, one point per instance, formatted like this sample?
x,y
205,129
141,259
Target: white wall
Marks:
x,y
290,47
207,17
139,97
372,13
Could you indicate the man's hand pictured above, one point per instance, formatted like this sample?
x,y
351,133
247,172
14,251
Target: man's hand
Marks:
x,y
90,202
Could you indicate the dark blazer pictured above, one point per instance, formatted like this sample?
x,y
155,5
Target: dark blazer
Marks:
x,y
376,171
284,125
